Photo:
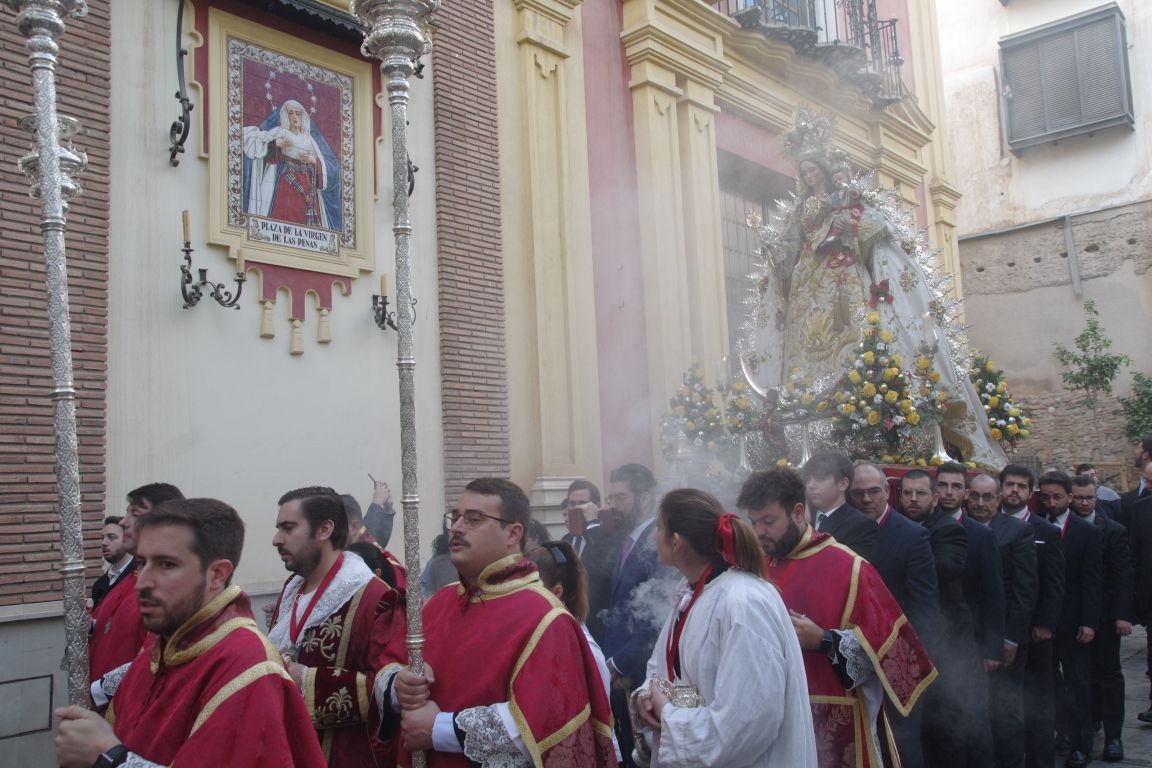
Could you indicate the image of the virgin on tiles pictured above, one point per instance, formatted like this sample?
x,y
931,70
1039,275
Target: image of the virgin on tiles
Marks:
x,y
291,172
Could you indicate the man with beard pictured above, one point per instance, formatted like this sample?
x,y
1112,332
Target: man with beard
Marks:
x,y
1079,616
1018,571
210,690
116,632
857,644
1016,483
509,678
337,626
641,594
1115,617
119,559
950,739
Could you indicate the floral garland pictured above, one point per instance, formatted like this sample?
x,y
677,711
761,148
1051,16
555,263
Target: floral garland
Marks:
x,y
877,405
795,400
693,412
1007,421
743,415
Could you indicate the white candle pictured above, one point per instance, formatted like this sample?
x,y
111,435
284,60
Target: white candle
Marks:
x,y
187,226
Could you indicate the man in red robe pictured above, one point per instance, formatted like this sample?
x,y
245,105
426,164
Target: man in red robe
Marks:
x,y
211,690
508,673
116,632
858,647
338,626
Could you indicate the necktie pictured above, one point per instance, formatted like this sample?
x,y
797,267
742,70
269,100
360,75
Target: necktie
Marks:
x,y
625,550
820,518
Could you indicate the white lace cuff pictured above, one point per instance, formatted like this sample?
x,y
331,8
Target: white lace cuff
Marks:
x,y
488,739
135,761
857,664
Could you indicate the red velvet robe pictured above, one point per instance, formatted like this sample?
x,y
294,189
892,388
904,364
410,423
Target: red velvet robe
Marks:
x,y
215,694
507,639
344,653
838,589
117,633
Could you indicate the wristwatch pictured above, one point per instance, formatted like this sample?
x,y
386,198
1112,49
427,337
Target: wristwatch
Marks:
x,y
115,756
827,640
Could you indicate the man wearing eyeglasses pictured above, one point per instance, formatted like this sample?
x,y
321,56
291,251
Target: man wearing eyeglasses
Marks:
x,y
598,545
905,563
945,742
509,678
1020,583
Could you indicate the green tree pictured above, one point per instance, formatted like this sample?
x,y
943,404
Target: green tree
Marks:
x,y
1137,408
1091,367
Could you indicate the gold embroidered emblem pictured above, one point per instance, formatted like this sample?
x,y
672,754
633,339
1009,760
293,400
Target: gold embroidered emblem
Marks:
x,y
324,637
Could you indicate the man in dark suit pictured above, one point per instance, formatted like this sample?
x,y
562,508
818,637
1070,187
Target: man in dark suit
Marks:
x,y
596,543
1018,571
641,591
1140,541
983,582
1115,617
119,559
1143,489
905,563
948,736
1016,484
1079,616
826,480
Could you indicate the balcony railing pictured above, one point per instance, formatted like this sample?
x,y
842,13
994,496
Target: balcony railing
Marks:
x,y
845,34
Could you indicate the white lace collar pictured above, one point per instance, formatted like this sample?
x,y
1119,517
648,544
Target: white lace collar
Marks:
x,y
353,574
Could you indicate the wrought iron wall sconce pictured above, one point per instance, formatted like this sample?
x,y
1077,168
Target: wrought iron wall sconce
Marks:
x,y
178,133
384,318
193,291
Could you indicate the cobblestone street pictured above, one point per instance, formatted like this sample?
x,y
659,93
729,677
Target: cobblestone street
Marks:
x,y
1137,735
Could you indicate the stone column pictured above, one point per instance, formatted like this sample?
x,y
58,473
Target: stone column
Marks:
x,y
556,426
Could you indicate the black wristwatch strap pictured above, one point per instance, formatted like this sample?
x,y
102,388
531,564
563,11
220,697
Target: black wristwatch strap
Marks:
x,y
115,756
827,640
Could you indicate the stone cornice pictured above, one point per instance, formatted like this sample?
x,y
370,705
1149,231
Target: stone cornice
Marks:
x,y
542,23
683,36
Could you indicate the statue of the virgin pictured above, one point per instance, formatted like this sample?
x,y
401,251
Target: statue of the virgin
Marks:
x,y
840,249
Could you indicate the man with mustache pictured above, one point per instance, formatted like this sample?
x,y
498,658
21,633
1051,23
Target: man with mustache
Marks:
x,y
508,677
210,690
857,644
337,626
116,631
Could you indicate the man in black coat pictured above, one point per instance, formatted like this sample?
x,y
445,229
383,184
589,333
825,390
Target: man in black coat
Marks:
x,y
1142,461
1079,616
905,563
1016,484
1115,619
1018,571
1140,541
826,480
949,736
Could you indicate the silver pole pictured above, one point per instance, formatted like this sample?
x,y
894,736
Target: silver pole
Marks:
x,y
398,36
42,23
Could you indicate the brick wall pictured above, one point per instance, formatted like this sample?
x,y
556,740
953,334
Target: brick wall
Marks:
x,y
1065,432
471,283
29,538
